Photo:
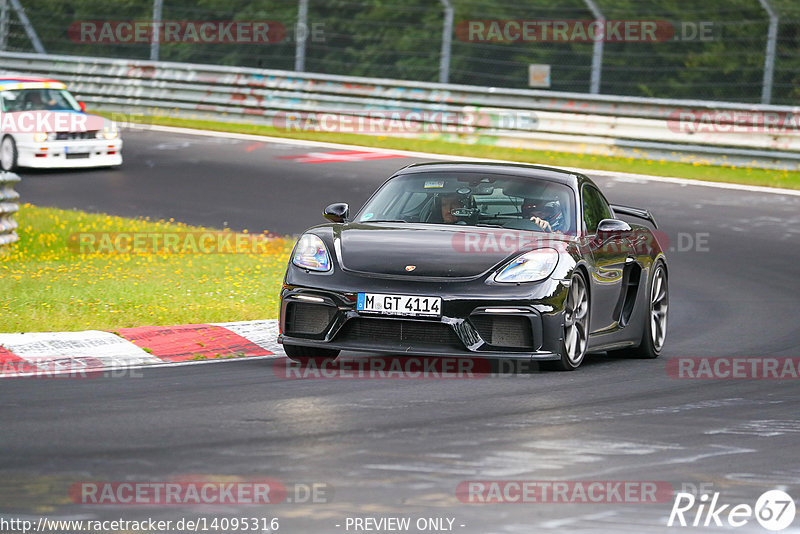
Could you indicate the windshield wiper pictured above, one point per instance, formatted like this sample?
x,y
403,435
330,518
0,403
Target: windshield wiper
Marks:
x,y
386,220
485,225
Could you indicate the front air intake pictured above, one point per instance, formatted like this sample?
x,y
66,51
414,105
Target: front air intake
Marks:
x,y
504,331
403,332
303,318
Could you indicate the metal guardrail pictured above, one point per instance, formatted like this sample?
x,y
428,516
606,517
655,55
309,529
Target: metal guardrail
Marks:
x,y
522,119
8,207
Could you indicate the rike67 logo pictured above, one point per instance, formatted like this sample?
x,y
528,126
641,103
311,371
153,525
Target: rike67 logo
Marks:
x,y
774,510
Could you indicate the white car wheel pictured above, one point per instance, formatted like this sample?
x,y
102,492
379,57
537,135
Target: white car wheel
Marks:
x,y
8,154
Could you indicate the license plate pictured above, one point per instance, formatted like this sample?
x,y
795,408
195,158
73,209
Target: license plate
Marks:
x,y
399,304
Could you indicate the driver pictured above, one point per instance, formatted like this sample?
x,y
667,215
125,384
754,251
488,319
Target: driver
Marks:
x,y
457,201
449,203
546,214
36,102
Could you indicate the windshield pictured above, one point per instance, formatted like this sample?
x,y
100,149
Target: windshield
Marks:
x,y
474,199
38,100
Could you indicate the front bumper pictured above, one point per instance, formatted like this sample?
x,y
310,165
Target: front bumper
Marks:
x,y
468,327
70,153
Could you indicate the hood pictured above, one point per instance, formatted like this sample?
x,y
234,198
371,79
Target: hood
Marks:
x,y
434,250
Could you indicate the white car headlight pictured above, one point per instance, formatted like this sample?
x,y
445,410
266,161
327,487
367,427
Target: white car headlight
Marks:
x,y
40,137
310,253
530,267
110,134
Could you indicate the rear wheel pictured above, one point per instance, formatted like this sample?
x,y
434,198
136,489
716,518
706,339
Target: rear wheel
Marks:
x,y
8,154
576,325
304,354
655,328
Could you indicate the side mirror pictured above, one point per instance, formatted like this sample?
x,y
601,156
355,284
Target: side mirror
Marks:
x,y
612,227
337,213
83,106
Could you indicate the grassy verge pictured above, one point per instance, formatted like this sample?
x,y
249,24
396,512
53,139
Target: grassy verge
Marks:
x,y
740,175
48,283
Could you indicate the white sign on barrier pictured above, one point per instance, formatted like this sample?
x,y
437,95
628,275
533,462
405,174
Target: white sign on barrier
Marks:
x,y
539,76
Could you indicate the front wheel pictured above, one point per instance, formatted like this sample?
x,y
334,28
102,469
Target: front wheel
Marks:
x,y
302,354
576,325
8,154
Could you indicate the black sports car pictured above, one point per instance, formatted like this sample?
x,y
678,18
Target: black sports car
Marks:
x,y
478,260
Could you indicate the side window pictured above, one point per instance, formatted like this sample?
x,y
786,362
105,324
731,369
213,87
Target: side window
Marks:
x,y
595,208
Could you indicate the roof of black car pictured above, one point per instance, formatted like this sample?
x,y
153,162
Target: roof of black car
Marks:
x,y
519,169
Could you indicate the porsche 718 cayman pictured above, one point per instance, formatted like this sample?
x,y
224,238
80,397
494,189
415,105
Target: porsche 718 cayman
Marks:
x,y
478,260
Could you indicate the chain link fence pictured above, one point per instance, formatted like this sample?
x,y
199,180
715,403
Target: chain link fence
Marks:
x,y
729,50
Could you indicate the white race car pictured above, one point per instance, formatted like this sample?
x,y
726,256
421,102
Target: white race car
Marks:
x,y
42,125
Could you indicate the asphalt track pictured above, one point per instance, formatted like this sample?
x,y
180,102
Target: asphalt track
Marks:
x,y
400,447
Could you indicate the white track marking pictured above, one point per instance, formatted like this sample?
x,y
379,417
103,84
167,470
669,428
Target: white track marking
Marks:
x,y
64,353
262,333
71,352
450,157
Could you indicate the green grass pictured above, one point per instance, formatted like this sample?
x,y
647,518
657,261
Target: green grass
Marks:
x,y
46,284
696,171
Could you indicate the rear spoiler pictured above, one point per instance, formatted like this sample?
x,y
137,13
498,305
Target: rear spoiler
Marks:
x,y
635,212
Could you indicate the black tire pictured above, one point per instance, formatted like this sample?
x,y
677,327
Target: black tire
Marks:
x,y
575,340
304,354
9,162
651,345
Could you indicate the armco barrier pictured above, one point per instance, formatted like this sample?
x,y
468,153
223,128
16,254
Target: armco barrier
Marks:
x,y
8,207
524,119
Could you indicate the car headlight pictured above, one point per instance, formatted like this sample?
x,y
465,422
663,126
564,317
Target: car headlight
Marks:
x,y
310,253
530,267
108,134
40,137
